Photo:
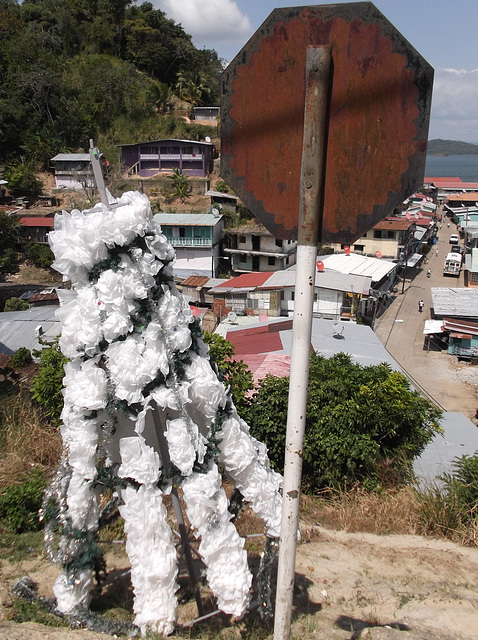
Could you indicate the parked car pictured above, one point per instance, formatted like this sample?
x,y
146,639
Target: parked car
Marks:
x,y
456,249
454,239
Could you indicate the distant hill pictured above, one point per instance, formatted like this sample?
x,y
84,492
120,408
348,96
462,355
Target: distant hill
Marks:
x,y
451,148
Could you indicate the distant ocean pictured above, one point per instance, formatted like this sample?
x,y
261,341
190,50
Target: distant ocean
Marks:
x,y
464,167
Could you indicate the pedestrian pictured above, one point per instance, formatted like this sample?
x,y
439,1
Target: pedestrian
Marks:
x,y
420,306
448,225
436,252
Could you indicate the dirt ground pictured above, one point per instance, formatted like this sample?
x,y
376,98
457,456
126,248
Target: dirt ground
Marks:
x,y
348,585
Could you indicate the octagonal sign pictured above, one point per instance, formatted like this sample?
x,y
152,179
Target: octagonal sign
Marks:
x,y
378,114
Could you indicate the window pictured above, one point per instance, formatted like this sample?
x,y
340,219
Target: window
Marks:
x,y
358,247
316,297
182,232
292,295
242,239
279,243
233,242
282,295
377,233
149,150
391,234
242,257
271,261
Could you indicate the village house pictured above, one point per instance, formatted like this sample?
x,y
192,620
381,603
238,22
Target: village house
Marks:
x,y
253,248
36,229
207,114
73,171
146,159
337,295
196,238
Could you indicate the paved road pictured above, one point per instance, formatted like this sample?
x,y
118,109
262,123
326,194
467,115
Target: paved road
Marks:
x,y
400,329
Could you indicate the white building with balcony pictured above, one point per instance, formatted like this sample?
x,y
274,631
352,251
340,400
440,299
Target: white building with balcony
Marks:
x,y
196,237
253,248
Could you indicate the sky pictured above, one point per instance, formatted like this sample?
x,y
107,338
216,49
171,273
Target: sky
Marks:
x,y
442,31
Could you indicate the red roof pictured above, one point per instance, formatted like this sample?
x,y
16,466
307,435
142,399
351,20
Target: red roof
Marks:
x,y
442,180
37,222
246,280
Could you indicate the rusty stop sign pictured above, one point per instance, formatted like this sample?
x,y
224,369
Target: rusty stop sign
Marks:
x,y
379,106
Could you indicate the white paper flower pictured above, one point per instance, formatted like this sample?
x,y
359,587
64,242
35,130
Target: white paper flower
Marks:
x,y
138,460
205,389
77,244
81,327
129,370
85,384
181,448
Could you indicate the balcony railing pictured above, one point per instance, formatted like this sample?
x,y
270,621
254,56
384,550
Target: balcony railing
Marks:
x,y
190,242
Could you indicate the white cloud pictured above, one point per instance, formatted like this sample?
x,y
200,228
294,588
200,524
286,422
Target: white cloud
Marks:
x,y
210,23
455,96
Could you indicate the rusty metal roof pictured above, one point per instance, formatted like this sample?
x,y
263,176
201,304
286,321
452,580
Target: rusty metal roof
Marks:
x,y
195,281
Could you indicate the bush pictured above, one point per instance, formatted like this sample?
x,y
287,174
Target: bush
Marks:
x,y
47,384
16,304
364,424
20,358
451,508
40,254
20,503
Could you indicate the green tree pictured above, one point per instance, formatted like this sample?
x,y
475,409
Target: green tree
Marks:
x,y
181,187
47,384
235,373
40,254
9,239
364,424
16,304
21,178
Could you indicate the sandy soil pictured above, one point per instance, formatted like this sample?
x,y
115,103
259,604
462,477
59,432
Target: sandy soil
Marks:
x,y
347,585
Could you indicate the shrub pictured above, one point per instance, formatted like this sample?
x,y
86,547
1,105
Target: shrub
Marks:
x,y
16,304
450,508
20,503
40,254
47,384
363,425
235,374
20,358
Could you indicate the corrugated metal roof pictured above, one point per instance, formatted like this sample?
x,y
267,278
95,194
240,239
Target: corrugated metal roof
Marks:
x,y
357,340
358,265
195,281
17,328
78,157
247,280
455,302
138,144
187,219
221,194
326,279
397,224
37,222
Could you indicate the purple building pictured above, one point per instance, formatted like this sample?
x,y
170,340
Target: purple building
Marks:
x,y
146,159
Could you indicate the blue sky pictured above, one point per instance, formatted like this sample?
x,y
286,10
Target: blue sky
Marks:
x,y
443,31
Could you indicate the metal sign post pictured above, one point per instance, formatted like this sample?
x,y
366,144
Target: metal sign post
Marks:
x,y
318,67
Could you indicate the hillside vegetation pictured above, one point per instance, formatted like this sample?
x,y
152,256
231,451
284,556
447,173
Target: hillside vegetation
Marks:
x,y
440,147
110,70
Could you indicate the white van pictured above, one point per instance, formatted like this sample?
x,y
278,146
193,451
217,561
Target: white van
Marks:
x,y
452,266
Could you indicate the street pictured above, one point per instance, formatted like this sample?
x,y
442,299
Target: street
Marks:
x,y
400,329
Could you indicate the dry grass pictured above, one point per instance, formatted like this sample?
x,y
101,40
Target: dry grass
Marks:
x,y
29,274
26,440
381,512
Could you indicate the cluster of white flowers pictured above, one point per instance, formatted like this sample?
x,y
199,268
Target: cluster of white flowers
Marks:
x,y
123,332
